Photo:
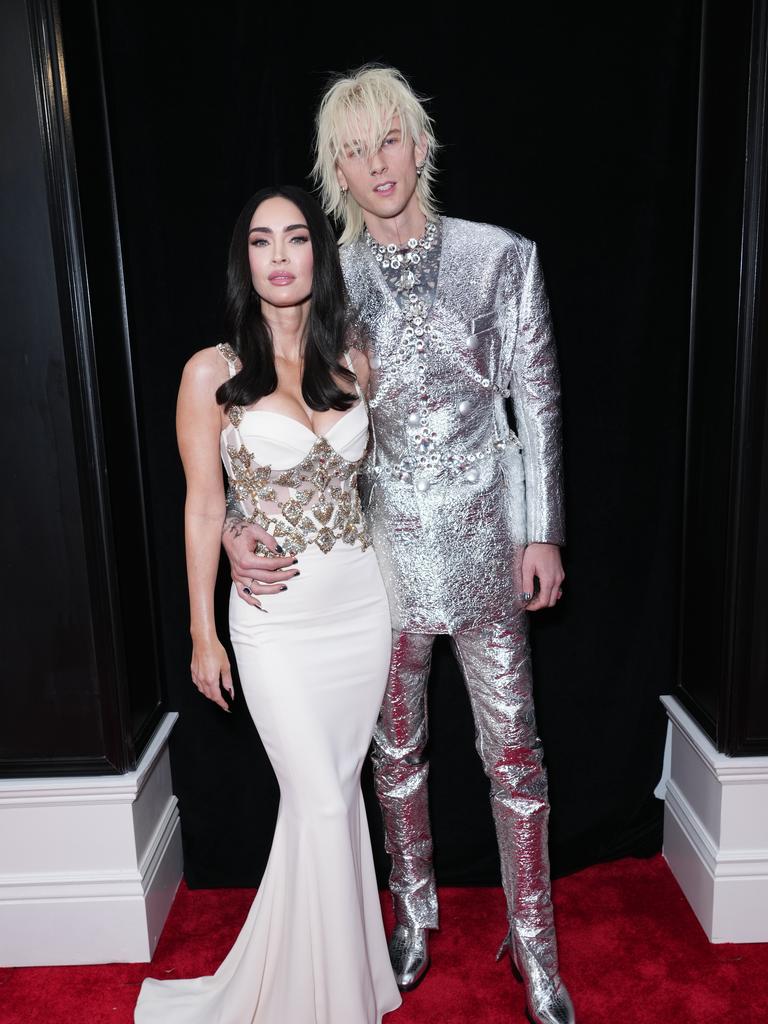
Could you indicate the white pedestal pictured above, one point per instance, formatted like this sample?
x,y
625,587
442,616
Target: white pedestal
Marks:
x,y
716,832
89,866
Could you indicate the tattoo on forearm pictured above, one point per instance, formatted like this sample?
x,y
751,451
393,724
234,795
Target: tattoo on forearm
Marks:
x,y
235,522
233,509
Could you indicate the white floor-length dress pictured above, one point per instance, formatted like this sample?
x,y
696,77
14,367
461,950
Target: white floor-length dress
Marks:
x,y
313,670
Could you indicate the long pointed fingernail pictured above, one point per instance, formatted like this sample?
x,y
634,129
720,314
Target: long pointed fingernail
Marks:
x,y
279,550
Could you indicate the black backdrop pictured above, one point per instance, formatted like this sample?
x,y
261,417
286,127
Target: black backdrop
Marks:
x,y
576,128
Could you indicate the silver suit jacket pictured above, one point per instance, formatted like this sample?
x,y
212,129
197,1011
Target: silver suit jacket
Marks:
x,y
454,493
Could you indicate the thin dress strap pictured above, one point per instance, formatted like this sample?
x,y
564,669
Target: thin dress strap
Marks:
x,y
228,353
352,368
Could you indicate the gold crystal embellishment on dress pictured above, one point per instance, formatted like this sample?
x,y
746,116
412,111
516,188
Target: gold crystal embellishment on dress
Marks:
x,y
321,490
326,539
235,412
322,512
292,511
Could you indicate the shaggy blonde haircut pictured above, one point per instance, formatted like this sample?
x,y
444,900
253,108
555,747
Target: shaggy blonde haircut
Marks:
x,y
358,108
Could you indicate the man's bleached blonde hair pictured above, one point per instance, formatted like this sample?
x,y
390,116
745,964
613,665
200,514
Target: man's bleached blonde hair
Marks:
x,y
357,109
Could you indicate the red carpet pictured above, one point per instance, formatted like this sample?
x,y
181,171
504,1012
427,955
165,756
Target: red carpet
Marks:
x,y
631,950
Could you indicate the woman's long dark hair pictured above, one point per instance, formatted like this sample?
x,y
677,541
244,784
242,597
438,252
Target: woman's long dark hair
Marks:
x,y
249,335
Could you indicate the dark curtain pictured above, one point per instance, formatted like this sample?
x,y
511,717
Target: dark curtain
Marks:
x,y
574,127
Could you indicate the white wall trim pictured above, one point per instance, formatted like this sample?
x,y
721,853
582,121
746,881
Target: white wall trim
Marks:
x,y
89,866
719,863
728,770
716,832
91,788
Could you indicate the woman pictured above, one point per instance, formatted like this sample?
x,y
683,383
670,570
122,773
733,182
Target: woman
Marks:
x,y
281,403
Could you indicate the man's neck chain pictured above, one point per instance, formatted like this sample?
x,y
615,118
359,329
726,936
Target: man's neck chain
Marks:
x,y
406,259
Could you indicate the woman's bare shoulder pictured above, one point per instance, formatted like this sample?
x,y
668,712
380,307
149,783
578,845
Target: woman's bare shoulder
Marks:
x,y
207,366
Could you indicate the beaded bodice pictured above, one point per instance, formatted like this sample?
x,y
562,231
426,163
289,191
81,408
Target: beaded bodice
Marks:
x,y
299,486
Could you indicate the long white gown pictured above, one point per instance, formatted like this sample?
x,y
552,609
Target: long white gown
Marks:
x,y
313,670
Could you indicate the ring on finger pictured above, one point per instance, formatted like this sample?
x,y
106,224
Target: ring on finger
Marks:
x,y
248,591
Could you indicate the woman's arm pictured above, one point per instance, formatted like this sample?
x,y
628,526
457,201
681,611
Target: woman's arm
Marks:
x,y
198,429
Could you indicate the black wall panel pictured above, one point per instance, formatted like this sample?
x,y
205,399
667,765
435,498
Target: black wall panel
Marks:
x,y
723,658
81,681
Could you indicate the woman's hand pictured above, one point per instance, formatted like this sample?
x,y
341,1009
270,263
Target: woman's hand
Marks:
x,y
543,562
255,574
210,671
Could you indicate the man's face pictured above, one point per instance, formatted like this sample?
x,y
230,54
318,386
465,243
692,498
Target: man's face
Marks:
x,y
383,183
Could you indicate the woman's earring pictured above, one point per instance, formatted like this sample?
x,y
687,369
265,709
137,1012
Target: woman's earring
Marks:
x,y
419,169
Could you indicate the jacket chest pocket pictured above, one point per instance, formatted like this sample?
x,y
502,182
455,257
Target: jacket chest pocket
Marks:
x,y
481,345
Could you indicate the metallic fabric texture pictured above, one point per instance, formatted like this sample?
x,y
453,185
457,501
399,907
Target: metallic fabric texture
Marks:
x,y
453,495
495,661
553,1006
409,956
400,778
458,335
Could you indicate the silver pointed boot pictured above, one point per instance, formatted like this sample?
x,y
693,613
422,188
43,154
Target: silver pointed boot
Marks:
x,y
550,1006
546,997
409,955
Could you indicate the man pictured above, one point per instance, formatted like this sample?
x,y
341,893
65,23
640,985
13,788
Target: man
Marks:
x,y
465,514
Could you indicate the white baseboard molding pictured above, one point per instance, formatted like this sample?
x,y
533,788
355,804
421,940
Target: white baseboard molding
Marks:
x,y
89,866
716,832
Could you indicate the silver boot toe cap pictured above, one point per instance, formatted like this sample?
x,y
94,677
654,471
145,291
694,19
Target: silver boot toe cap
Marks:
x,y
554,1007
409,955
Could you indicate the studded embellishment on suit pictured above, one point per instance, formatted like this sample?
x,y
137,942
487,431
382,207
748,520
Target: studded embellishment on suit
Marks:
x,y
420,334
411,274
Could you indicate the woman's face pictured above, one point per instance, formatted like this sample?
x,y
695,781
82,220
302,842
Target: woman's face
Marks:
x,y
280,253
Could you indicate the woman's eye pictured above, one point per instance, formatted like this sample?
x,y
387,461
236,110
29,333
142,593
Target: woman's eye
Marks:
x,y
259,242
300,239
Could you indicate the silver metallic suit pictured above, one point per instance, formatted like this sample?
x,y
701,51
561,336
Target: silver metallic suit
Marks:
x,y
454,497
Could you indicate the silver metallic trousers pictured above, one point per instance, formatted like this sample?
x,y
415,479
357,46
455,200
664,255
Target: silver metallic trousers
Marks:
x,y
496,664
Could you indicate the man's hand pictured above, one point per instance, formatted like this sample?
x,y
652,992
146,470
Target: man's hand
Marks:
x,y
255,574
543,561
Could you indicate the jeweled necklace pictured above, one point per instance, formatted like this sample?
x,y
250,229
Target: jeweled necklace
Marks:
x,y
409,260
405,258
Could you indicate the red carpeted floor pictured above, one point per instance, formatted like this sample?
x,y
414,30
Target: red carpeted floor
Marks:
x,y
631,951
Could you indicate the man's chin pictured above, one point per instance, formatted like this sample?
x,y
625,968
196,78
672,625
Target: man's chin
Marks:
x,y
385,209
